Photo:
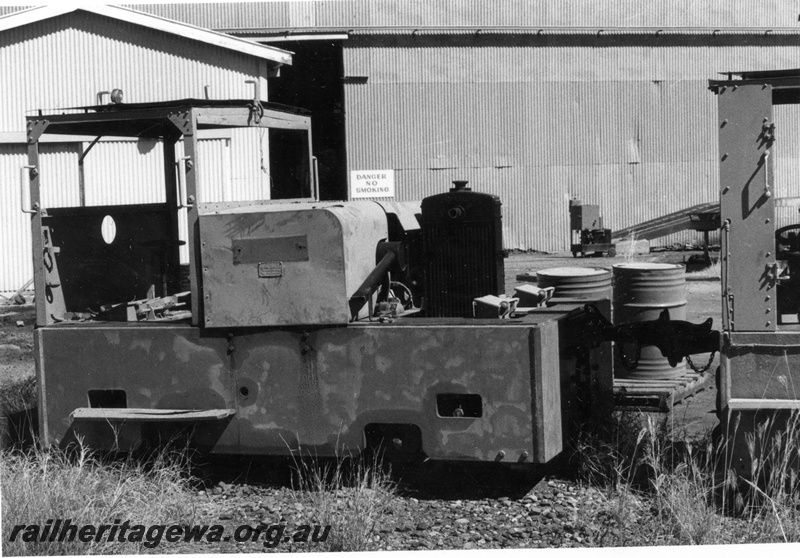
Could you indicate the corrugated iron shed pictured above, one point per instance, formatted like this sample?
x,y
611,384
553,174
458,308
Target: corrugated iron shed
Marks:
x,y
537,102
60,56
69,55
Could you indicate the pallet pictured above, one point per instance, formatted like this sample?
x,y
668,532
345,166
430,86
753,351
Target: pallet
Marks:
x,y
658,395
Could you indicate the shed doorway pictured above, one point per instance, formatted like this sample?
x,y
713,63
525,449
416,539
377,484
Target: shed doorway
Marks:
x,y
314,82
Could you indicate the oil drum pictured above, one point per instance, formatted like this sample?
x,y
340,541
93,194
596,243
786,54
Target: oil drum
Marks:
x,y
576,282
641,292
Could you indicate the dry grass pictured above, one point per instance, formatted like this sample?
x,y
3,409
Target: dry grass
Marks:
x,y
43,485
18,402
605,453
350,495
712,270
663,490
18,396
681,478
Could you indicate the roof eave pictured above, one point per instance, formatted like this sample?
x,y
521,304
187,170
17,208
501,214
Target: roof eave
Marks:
x,y
271,54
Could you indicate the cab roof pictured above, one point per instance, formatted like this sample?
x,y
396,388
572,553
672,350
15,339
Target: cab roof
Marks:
x,y
162,119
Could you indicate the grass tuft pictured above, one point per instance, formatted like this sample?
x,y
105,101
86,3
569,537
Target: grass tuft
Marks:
x,y
605,453
41,485
18,396
350,495
662,489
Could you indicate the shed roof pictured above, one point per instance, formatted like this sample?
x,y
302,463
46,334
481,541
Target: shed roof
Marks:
x,y
39,13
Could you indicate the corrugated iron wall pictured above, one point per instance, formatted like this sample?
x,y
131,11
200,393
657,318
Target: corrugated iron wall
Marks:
x,y
787,167
119,172
621,124
5,10
249,165
15,241
619,117
65,61
510,13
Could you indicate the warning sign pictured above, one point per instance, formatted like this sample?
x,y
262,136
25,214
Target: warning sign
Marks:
x,y
372,184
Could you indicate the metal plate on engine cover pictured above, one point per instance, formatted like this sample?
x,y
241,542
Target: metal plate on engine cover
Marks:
x,y
270,269
257,250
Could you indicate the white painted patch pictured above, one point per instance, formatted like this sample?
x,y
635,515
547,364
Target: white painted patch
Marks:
x,y
108,229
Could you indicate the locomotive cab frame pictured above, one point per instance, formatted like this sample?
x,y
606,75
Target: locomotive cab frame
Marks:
x,y
82,271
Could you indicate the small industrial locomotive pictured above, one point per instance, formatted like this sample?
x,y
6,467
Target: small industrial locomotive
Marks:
x,y
296,324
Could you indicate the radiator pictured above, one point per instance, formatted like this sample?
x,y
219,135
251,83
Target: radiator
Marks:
x,y
463,244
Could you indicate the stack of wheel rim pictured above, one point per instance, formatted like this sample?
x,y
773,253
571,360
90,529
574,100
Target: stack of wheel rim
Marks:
x,y
576,282
642,291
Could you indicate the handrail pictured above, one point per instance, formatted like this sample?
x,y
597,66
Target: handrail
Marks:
x,y
181,165
22,179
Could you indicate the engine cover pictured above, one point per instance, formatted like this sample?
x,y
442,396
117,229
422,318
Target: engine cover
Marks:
x,y
286,264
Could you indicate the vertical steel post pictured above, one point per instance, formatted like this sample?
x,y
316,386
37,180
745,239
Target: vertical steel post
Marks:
x,y
172,195
192,201
747,180
37,240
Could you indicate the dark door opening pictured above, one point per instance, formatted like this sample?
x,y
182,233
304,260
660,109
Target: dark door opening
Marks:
x,y
314,82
